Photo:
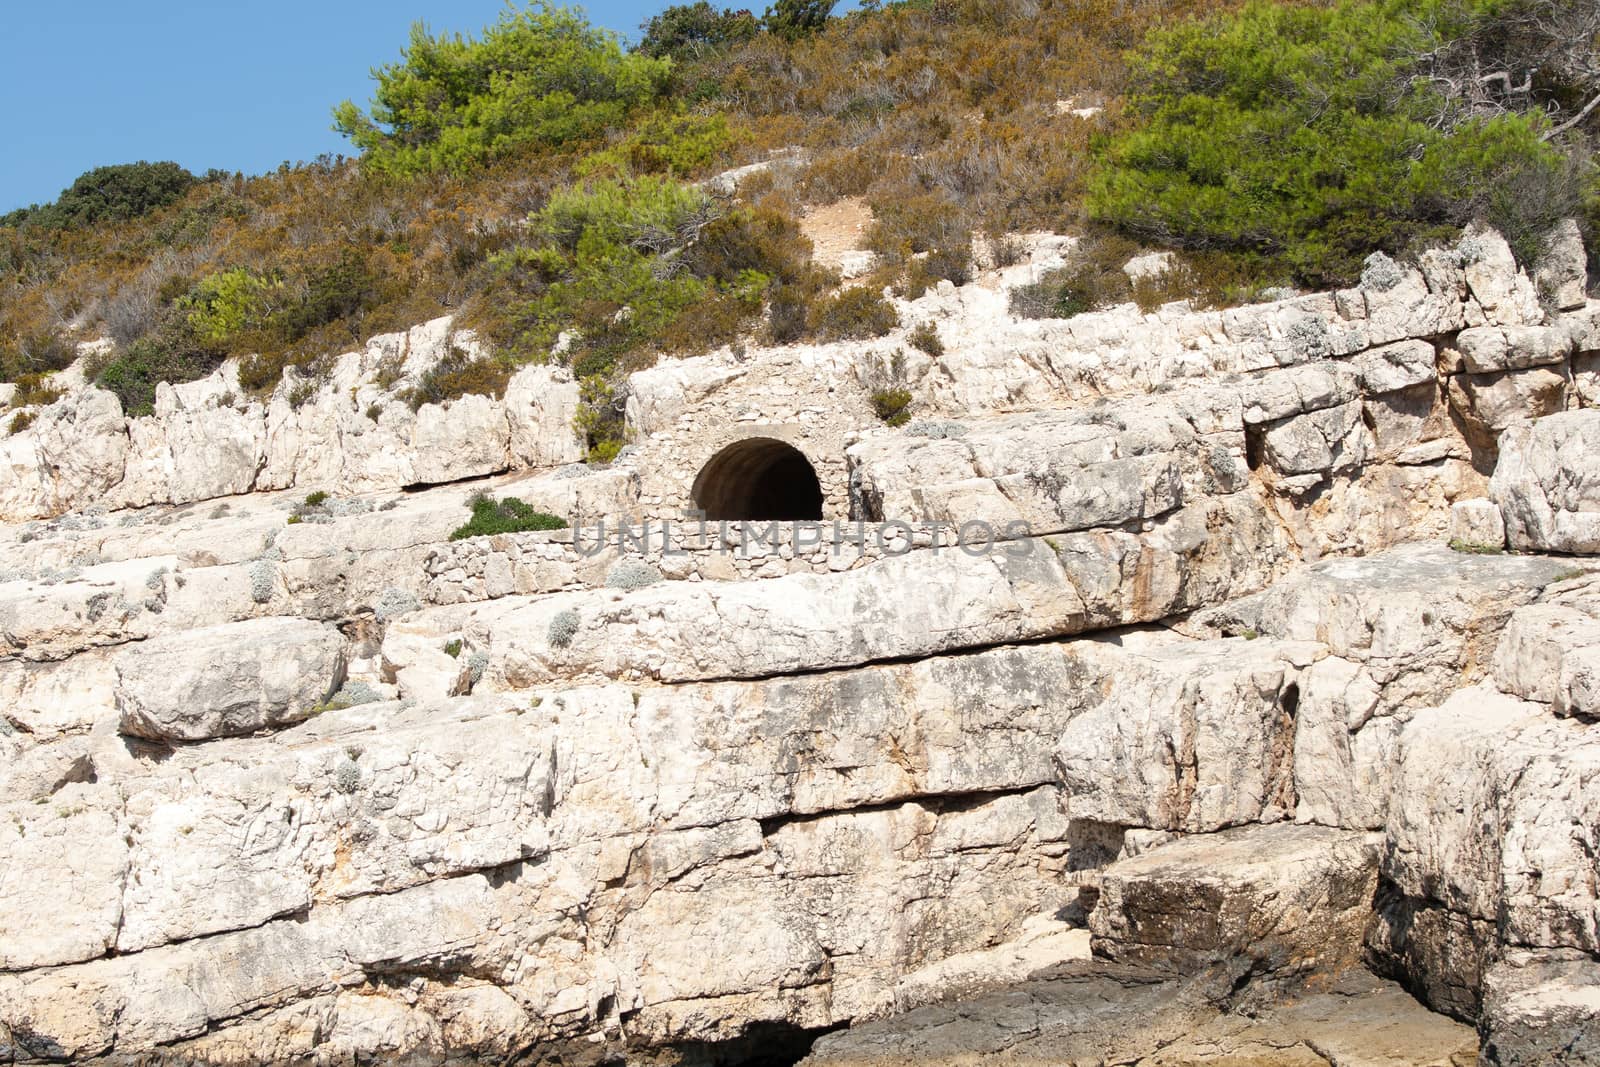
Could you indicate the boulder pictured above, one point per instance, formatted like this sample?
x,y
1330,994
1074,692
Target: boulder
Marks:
x,y
1389,368
1195,736
1541,1009
1332,439
223,681
1477,524
1498,401
1548,485
1492,349
1500,287
1288,899
1551,650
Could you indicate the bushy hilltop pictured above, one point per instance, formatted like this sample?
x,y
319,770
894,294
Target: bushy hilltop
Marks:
x,y
548,186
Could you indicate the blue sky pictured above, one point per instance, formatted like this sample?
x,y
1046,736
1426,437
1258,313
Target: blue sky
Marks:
x,y
215,84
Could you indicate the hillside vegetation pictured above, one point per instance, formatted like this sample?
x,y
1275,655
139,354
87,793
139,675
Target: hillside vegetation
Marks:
x,y
537,179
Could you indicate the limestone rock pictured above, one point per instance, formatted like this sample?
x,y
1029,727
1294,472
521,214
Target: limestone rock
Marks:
x,y
1478,524
1498,401
1492,349
61,889
72,454
1541,1008
1195,736
1398,366
1500,288
1332,439
1069,1014
1562,273
227,680
1549,651
1292,898
1548,485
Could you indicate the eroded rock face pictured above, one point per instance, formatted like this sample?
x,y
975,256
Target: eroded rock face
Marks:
x,y
288,780
207,439
1293,898
224,681
1541,1007
1548,486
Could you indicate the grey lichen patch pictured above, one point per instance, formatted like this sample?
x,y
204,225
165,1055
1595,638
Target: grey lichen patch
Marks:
x,y
936,429
350,695
347,776
1310,338
1379,273
263,577
394,602
563,628
632,574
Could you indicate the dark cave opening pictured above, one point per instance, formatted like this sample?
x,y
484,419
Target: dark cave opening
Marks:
x,y
758,478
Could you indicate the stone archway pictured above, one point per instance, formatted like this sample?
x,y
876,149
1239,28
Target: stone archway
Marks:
x,y
758,478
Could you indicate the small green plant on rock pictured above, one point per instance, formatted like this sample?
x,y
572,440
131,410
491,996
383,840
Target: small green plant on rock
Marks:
x,y
926,337
506,515
890,405
1472,548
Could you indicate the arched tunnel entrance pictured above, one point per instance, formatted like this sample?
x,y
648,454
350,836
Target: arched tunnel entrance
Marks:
x,y
758,478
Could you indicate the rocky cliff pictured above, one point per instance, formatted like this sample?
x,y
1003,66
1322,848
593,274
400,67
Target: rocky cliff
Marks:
x,y
1260,727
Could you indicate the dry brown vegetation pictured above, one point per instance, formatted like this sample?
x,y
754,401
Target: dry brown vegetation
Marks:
x,y
950,118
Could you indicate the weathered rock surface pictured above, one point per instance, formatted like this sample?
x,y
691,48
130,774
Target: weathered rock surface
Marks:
x,y
352,435
1195,736
1548,485
1541,1008
1283,899
224,681
743,800
1116,1013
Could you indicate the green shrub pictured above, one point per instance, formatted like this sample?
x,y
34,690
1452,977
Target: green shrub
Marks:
x,y
891,406
563,628
1359,157
35,353
109,194
600,421
452,647
316,499
632,574
225,304
926,337
34,389
855,313
170,354
605,268
20,421
787,312
506,515
694,31
794,19
1068,291
339,290
538,77
763,238
457,375
669,142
